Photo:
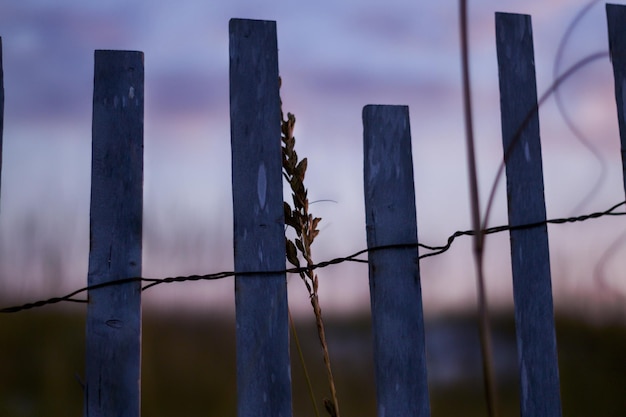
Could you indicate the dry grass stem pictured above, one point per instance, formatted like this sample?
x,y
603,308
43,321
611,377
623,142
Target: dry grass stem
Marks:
x,y
483,310
305,226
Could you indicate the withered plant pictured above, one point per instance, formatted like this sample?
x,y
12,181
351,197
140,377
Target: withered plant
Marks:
x,y
305,226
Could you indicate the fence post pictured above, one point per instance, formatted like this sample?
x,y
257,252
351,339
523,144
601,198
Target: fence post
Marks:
x,y
263,365
113,346
530,259
1,105
395,291
616,19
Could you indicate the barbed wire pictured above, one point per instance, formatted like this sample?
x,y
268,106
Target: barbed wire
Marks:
x,y
355,257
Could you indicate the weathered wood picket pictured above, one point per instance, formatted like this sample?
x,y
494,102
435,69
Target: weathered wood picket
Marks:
x,y
1,104
616,16
112,368
263,367
113,330
395,290
530,260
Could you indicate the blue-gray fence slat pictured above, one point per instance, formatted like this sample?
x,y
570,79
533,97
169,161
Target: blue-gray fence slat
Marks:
x,y
530,260
263,366
616,19
113,341
1,105
395,289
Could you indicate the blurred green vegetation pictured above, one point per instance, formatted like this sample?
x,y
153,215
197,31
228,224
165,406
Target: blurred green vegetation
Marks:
x,y
188,367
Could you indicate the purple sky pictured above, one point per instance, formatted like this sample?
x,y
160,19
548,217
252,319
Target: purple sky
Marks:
x,y
335,57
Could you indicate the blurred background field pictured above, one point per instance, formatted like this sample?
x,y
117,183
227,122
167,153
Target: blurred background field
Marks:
x,y
189,365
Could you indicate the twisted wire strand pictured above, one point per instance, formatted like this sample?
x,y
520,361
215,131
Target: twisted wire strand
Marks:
x,y
355,257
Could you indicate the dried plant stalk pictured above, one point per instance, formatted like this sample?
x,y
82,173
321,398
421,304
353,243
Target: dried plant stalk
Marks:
x,y
479,236
305,226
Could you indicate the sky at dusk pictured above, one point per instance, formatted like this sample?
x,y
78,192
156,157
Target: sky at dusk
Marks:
x,y
335,57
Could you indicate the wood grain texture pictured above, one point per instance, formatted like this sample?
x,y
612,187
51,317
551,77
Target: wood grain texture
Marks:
x,y
616,19
113,346
263,367
395,289
532,288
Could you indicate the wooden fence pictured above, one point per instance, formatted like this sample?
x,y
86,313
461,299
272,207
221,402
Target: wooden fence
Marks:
x,y
112,380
